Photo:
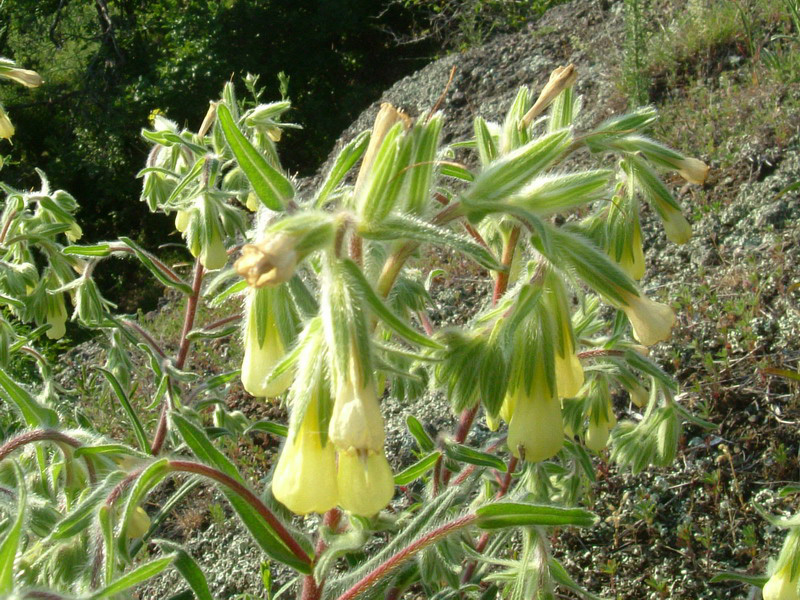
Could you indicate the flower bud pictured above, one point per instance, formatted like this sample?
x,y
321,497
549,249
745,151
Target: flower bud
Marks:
x,y
260,359
305,476
639,395
139,523
781,586
270,262
651,321
560,79
365,481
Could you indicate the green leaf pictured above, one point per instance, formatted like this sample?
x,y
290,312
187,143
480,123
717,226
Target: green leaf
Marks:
x,y
271,187
152,475
188,568
408,227
163,276
80,517
457,171
262,533
204,334
96,250
515,514
133,578
756,580
344,162
416,429
8,547
227,292
190,176
269,427
34,414
463,453
133,418
394,322
417,470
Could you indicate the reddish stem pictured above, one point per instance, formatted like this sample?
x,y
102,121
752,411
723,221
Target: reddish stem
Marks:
x,y
311,589
501,283
151,341
426,322
464,425
45,435
164,268
484,539
406,553
249,497
183,352
221,322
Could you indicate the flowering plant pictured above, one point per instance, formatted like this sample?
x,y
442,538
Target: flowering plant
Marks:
x,y
334,323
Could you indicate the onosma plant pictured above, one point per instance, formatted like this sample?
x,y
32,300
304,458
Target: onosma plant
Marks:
x,y
334,323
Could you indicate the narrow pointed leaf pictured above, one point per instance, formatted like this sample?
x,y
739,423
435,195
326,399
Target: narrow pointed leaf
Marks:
x,y
394,322
463,453
167,278
344,162
33,413
189,569
417,470
515,514
271,187
133,578
133,418
9,545
80,517
416,429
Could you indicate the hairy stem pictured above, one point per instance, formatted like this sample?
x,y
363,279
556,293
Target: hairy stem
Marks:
x,y
408,552
311,589
45,435
501,283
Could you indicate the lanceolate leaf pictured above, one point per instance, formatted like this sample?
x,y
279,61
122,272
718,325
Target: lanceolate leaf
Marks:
x,y
415,229
34,414
138,430
466,454
420,435
163,276
262,533
188,568
271,187
344,162
417,470
398,325
133,578
515,514
8,547
81,516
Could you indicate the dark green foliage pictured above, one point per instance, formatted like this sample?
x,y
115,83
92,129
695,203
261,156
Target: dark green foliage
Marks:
x,y
109,65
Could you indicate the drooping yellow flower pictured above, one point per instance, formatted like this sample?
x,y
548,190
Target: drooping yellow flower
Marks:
x,y
365,482
74,233
639,395
260,359
213,255
569,373
560,79
305,476
677,228
651,321
56,318
182,219
693,170
6,126
599,429
26,77
781,586
632,259
536,430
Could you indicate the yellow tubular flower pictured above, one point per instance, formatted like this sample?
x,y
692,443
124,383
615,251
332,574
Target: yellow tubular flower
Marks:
x,y
569,374
781,586
305,476
693,170
632,262
356,422
6,126
639,395
213,255
365,481
651,321
26,77
57,318
259,360
676,226
74,233
536,430
182,218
